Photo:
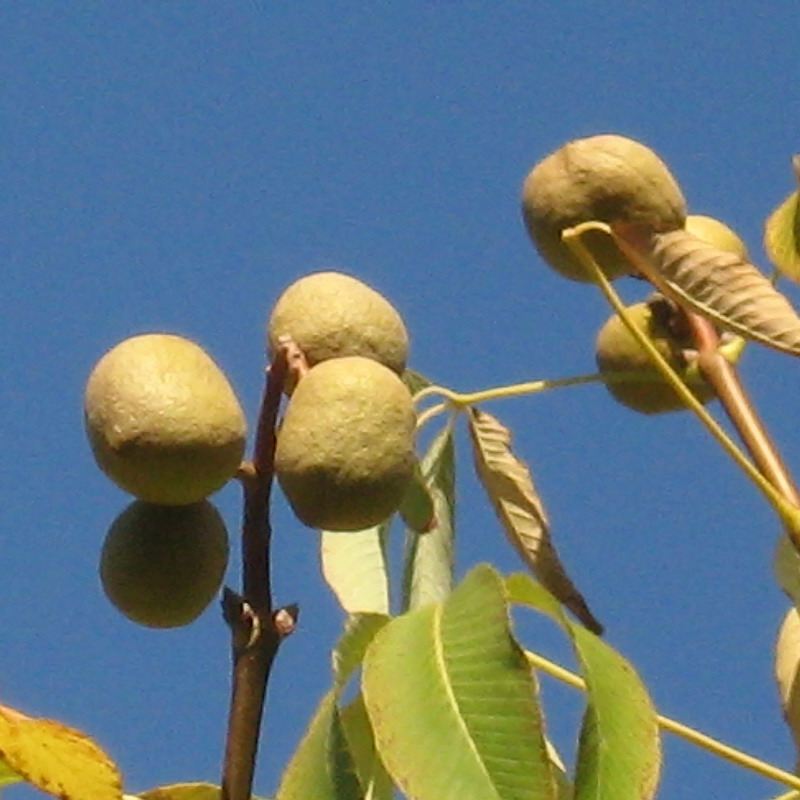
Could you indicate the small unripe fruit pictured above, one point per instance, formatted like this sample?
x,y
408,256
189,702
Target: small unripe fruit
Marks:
x,y
163,420
162,565
330,315
618,351
717,233
345,451
604,178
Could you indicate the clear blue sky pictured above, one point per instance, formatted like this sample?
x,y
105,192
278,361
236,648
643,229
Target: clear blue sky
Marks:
x,y
174,165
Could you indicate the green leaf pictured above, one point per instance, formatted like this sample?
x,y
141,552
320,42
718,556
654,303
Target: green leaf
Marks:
x,y
619,754
360,630
369,767
417,510
429,558
782,237
322,767
508,484
453,703
7,775
354,566
185,791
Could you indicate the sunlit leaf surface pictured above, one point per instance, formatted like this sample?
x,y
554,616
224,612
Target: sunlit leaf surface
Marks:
x,y
453,703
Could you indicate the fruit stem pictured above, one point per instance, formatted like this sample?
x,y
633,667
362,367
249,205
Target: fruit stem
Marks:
x,y
788,512
256,629
691,735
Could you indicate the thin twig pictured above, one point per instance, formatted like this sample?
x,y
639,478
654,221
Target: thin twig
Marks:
x,y
256,629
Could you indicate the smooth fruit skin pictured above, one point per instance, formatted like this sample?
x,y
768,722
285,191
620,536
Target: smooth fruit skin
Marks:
x,y
163,420
162,565
330,315
715,232
616,350
345,451
606,178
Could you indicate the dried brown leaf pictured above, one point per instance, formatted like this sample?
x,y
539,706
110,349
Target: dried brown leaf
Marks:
x,y
509,485
787,671
725,288
56,759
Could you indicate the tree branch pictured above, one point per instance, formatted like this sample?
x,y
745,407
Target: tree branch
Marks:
x,y
256,629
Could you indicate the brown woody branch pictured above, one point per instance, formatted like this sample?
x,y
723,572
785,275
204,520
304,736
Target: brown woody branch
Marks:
x,y
257,629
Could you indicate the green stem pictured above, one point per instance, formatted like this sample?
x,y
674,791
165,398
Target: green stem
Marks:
x,y
504,392
691,735
789,513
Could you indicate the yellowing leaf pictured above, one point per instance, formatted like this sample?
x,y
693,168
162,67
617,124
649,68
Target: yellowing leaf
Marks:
x,y
56,759
787,669
782,237
509,486
354,566
719,285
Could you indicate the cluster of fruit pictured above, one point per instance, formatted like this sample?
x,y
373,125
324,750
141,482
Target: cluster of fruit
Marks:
x,y
165,425
345,451
610,178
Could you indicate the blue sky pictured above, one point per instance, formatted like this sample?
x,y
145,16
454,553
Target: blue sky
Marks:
x,y
174,165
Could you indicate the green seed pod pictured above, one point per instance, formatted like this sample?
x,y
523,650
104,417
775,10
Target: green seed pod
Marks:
x,y
162,565
616,350
604,178
345,451
163,420
330,315
714,232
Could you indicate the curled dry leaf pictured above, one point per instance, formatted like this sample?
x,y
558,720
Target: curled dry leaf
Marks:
x,y
56,759
509,486
787,667
719,285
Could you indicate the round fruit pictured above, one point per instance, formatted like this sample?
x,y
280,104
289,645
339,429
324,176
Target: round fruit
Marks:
x,y
717,233
618,351
162,565
604,178
330,315
163,421
345,451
